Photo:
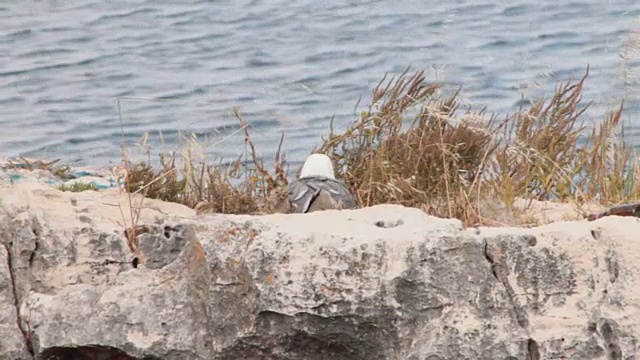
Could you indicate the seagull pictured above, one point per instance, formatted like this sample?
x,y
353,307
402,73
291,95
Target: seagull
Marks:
x,y
317,189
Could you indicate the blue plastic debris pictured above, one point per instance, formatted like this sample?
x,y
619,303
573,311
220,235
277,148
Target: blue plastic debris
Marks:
x,y
102,179
83,173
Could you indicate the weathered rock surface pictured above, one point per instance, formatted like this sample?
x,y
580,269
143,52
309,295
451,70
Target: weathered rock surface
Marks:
x,y
384,282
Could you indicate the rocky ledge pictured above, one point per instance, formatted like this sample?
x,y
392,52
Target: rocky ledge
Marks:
x,y
385,282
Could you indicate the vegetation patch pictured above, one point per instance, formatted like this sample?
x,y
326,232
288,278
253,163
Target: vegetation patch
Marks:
x,y
77,187
415,146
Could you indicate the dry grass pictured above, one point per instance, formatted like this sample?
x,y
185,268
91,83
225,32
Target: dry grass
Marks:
x,y
414,146
551,153
210,187
427,160
61,171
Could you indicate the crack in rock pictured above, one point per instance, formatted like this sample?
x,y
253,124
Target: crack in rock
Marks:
x,y
533,350
501,272
608,331
16,301
89,352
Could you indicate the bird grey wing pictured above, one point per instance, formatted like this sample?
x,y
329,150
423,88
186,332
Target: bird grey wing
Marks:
x,y
301,195
340,192
340,195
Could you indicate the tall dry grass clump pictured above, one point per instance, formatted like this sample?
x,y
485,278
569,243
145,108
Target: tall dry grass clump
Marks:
x,y
425,160
550,152
236,188
414,146
539,156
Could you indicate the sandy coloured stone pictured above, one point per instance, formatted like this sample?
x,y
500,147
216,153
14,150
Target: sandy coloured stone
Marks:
x,y
383,282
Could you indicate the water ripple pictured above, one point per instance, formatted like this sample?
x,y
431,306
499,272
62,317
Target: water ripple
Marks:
x,y
288,65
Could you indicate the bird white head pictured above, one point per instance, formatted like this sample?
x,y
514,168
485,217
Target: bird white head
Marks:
x,y
317,165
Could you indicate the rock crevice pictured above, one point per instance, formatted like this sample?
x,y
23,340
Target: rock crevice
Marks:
x,y
26,335
500,271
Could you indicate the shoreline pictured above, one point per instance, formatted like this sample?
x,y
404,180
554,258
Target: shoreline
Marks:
x,y
18,170
414,147
536,213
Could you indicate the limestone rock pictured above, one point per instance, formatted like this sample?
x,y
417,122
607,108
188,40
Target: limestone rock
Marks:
x,y
159,311
384,282
13,343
